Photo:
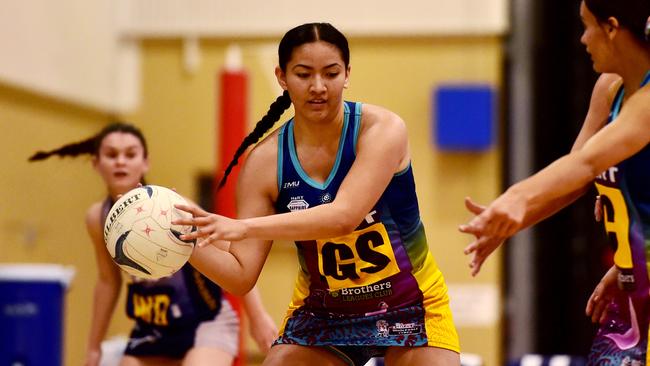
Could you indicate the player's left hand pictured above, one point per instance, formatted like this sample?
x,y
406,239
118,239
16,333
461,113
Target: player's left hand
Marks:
x,y
604,292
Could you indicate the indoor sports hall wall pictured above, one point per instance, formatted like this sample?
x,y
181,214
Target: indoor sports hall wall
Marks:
x,y
397,73
42,205
66,91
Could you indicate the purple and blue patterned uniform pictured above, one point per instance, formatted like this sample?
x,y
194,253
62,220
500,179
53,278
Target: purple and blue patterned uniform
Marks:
x,y
376,286
625,193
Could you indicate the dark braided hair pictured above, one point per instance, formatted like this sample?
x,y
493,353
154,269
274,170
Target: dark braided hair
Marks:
x,y
296,37
273,115
91,145
631,14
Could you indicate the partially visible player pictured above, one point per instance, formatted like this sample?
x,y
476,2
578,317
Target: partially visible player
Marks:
x,y
612,151
180,319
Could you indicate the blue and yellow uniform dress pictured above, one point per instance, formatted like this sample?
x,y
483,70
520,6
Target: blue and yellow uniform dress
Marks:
x,y
376,287
168,311
625,194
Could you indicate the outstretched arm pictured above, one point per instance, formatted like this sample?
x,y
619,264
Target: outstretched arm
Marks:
x,y
612,144
235,266
554,187
382,151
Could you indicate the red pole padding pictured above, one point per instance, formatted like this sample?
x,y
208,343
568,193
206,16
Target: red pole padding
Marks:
x,y
232,117
231,130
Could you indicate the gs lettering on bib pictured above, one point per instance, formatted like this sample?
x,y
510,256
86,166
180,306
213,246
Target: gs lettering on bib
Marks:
x,y
363,257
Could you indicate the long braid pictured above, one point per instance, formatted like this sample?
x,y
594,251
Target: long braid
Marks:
x,y
91,145
276,110
74,149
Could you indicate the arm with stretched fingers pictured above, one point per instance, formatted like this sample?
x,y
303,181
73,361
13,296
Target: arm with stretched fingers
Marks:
x,y
560,184
382,151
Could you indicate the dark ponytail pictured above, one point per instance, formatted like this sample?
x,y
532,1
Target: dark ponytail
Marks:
x,y
86,146
631,14
91,145
277,108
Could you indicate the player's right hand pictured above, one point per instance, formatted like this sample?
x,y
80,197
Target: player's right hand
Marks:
x,y
210,227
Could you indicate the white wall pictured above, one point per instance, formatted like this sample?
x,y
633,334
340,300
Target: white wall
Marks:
x,y
68,49
86,52
353,17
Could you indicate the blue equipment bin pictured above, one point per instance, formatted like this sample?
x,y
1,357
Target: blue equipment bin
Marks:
x,y
32,313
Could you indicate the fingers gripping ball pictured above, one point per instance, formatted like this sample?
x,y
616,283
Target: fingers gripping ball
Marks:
x,y
140,237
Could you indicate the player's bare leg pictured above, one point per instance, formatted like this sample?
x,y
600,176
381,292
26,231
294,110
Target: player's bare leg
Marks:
x,y
295,355
421,356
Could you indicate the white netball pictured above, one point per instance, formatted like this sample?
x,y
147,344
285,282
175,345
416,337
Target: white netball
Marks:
x,y
140,237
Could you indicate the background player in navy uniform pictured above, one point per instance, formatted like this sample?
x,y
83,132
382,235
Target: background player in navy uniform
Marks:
x,y
611,151
337,179
180,319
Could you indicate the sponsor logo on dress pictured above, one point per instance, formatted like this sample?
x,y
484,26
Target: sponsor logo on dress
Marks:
x,y
405,328
384,329
297,204
368,292
294,184
326,197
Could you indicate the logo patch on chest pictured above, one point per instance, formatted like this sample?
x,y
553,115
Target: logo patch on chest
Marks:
x,y
326,197
297,204
294,184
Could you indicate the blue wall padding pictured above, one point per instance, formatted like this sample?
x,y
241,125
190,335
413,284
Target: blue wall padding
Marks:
x,y
464,117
